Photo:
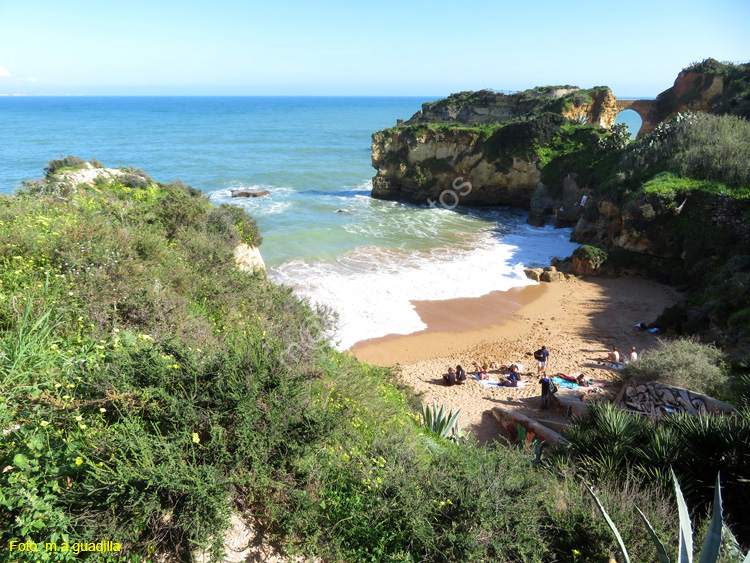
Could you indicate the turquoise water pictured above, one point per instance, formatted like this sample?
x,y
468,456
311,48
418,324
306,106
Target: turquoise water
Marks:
x,y
367,262
631,119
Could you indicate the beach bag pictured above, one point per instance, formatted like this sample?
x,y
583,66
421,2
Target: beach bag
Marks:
x,y
552,387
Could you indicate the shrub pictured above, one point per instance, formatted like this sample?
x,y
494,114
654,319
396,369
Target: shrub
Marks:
x,y
683,363
69,162
133,181
704,146
587,252
523,136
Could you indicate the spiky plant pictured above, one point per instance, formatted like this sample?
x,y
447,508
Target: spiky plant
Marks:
x,y
711,544
604,438
444,424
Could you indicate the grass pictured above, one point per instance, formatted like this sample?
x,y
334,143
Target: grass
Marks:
x,y
671,186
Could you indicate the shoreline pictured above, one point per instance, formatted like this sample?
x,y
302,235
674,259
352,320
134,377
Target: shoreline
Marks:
x,y
578,320
453,324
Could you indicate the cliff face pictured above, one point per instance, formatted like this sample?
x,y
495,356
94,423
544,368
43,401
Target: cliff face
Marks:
x,y
418,166
692,91
458,140
691,228
601,110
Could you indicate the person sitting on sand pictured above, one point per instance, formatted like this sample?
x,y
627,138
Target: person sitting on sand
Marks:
x,y
514,372
450,377
614,356
481,372
633,356
460,374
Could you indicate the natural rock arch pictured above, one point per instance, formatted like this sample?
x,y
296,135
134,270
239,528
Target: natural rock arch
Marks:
x,y
646,109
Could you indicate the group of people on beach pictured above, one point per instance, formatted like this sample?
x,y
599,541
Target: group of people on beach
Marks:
x,y
512,372
454,376
614,356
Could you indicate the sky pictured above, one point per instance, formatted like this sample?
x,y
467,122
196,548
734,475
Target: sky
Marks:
x,y
355,48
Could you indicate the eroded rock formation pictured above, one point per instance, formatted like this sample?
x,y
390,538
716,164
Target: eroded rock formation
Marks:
x,y
417,167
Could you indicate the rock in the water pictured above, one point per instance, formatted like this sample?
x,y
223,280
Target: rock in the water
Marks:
x,y
343,211
250,192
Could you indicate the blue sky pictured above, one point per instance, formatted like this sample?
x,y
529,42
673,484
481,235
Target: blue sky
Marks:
x,y
228,47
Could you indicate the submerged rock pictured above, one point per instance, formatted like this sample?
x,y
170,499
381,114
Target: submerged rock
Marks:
x,y
250,192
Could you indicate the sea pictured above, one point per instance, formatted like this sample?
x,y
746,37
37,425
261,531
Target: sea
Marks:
x,y
324,235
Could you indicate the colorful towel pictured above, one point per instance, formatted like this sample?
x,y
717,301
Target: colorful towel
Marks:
x,y
561,383
572,377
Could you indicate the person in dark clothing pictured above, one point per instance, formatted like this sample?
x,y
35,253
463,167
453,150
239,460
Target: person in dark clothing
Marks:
x,y
450,377
460,374
542,357
545,381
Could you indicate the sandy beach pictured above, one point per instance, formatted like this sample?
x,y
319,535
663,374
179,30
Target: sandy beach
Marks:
x,y
578,320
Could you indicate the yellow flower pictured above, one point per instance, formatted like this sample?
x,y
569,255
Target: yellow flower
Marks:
x,y
82,426
79,417
44,423
102,410
79,461
196,438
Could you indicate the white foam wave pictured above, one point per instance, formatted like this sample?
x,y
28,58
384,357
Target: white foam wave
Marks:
x,y
372,287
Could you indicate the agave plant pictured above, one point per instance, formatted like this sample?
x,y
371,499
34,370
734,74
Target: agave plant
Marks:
x,y
711,544
442,423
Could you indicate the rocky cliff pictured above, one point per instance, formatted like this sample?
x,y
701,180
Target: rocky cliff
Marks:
x,y
492,141
417,165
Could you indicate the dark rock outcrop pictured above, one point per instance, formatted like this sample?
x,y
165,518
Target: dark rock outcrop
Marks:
x,y
250,192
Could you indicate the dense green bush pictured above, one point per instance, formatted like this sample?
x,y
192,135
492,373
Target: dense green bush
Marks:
x,y
523,136
703,146
683,363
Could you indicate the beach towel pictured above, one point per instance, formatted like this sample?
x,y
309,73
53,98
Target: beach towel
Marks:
x,y
487,382
563,384
572,377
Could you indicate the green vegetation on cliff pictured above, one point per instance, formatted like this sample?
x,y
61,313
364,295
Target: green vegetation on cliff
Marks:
x,y
735,99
